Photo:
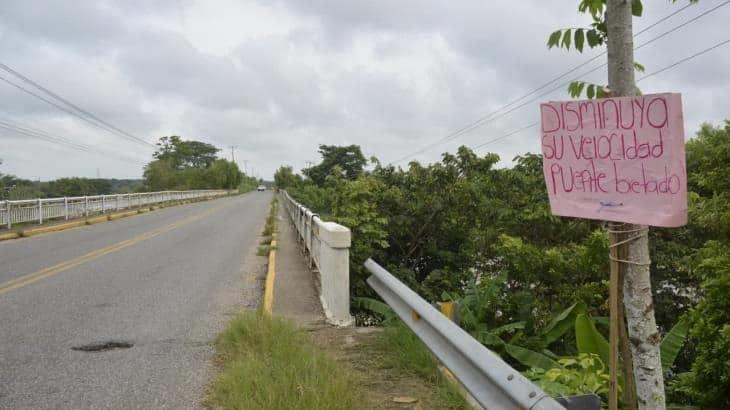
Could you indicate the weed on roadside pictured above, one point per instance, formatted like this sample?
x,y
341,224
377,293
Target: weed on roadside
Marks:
x,y
268,363
402,352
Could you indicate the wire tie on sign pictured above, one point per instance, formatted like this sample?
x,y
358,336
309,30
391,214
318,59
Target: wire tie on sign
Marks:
x,y
630,262
639,229
643,232
631,239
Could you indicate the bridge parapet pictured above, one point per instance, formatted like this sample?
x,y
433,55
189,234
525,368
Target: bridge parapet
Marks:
x,y
327,249
43,209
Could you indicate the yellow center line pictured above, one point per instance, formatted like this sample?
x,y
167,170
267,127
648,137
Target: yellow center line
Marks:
x,y
25,280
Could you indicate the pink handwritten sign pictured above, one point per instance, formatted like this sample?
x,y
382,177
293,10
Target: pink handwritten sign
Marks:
x,y
616,159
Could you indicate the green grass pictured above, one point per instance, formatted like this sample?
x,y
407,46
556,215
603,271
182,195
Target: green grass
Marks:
x,y
403,352
270,227
268,363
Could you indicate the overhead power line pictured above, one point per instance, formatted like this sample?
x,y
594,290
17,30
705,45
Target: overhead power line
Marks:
x,y
509,134
11,123
68,107
495,114
27,132
32,132
653,73
678,62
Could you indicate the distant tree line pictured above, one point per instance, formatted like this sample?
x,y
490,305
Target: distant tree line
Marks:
x,y
14,188
177,165
184,165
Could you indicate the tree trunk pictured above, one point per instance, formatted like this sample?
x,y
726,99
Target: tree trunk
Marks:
x,y
639,307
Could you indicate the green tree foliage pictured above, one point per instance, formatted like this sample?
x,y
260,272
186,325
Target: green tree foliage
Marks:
x,y
284,177
708,156
247,184
462,229
183,165
582,374
75,187
185,154
13,188
595,35
349,159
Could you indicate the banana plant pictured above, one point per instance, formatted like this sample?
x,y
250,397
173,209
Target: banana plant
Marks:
x,y
588,339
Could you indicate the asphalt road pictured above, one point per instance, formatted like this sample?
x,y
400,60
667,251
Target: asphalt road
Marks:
x,y
164,281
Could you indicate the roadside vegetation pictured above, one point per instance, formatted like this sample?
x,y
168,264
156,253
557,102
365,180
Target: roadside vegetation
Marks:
x,y
531,286
403,353
177,165
269,363
13,188
269,228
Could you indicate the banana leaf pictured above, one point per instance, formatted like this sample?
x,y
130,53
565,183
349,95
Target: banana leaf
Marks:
x,y
588,339
508,327
375,306
489,339
673,342
562,323
531,358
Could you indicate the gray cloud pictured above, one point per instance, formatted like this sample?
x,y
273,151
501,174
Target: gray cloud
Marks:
x,y
278,78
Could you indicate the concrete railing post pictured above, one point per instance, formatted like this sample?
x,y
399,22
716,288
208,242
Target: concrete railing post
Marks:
x,y
331,255
103,205
86,206
10,215
334,271
40,212
65,208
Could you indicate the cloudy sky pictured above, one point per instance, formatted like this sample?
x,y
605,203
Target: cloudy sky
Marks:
x,y
276,78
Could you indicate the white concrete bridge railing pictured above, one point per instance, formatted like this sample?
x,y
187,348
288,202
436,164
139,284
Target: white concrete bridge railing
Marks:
x,y
43,209
327,247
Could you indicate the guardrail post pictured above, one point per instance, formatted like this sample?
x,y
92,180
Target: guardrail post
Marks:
x,y
65,208
117,198
103,205
86,206
311,238
10,216
40,212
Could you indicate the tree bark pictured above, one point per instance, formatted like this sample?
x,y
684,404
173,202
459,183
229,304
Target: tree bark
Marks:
x,y
639,308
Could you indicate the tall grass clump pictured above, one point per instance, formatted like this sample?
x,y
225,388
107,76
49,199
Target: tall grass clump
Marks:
x,y
268,363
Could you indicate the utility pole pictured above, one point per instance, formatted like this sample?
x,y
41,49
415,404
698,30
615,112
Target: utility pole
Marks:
x,y
245,166
233,155
629,242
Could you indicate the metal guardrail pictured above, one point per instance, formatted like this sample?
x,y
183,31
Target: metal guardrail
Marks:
x,y
493,383
42,209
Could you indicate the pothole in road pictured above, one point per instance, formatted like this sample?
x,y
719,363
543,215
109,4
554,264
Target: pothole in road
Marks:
x,y
103,346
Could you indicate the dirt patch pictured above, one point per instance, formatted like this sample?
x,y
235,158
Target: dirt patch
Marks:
x,y
385,388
